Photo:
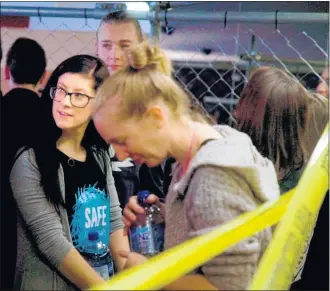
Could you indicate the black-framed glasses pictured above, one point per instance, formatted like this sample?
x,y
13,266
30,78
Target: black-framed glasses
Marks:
x,y
77,99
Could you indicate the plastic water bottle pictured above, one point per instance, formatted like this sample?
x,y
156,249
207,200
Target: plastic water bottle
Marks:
x,y
98,256
147,233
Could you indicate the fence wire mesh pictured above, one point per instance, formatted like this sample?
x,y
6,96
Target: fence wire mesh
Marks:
x,y
217,84
214,78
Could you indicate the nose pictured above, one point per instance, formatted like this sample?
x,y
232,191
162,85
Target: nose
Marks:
x,y
67,101
116,53
121,152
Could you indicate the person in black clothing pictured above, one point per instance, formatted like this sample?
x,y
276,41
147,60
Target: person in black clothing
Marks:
x,y
117,33
315,275
20,123
21,105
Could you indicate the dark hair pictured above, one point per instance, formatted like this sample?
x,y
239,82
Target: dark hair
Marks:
x,y
273,111
45,147
118,17
26,61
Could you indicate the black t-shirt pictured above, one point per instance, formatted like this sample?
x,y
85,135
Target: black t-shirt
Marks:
x,y
126,177
152,179
86,199
130,178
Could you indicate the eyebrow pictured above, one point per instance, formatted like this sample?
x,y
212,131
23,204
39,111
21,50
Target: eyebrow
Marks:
x,y
125,40
120,41
79,90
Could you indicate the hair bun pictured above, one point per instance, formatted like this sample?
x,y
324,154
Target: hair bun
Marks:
x,y
151,57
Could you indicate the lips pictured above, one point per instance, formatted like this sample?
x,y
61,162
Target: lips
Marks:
x,y
64,113
114,67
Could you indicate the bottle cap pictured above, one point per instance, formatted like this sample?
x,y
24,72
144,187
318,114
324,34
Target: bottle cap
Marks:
x,y
93,236
142,196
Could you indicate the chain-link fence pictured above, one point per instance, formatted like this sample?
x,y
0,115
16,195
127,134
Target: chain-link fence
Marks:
x,y
213,69
218,84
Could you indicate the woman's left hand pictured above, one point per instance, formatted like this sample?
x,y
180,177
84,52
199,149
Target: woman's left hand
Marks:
x,y
133,259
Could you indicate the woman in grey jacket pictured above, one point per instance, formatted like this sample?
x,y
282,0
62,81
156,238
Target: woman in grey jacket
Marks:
x,y
64,188
218,173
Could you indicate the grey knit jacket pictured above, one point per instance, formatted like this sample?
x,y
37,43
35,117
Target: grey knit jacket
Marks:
x,y
44,237
230,178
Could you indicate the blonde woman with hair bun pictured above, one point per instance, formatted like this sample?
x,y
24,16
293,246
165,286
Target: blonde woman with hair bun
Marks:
x,y
146,56
218,174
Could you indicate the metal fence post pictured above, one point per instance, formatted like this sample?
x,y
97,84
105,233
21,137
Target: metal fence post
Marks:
x,y
252,55
155,30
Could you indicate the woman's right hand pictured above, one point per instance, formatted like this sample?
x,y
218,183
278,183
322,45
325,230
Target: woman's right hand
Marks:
x,y
132,208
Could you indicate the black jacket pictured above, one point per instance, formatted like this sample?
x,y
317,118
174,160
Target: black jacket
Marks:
x,y
21,122
315,275
131,178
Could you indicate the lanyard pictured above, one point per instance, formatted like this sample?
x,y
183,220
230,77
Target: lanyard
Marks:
x,y
188,155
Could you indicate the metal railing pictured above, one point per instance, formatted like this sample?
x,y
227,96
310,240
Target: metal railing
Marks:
x,y
216,80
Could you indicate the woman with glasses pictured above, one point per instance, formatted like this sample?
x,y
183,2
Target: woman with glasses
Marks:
x,y
64,188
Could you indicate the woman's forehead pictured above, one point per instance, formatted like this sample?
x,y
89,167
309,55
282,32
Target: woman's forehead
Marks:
x,y
78,81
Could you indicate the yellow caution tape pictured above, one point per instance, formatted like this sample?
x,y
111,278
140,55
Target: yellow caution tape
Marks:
x,y
180,260
177,261
280,261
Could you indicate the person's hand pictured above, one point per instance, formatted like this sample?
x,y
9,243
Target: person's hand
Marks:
x,y
133,259
132,208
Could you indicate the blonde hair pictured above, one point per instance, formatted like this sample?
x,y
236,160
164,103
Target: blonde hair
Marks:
x,y
119,17
146,79
273,111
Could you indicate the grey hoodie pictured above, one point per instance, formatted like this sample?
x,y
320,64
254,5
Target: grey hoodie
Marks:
x,y
44,238
226,178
